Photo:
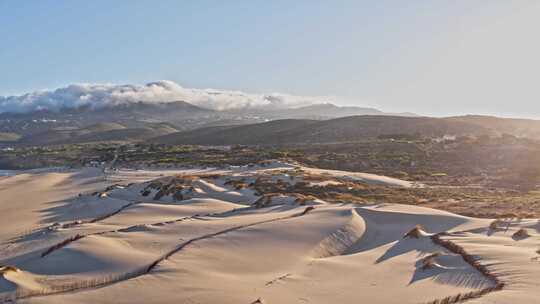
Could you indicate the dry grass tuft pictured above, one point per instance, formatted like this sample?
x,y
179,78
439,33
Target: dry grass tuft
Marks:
x,y
264,201
8,268
237,184
521,234
304,199
416,232
308,209
495,224
429,261
180,187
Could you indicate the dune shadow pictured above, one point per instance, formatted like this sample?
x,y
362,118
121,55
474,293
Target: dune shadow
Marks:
x,y
403,246
385,227
60,212
82,177
79,208
6,286
28,237
68,261
485,230
536,226
459,277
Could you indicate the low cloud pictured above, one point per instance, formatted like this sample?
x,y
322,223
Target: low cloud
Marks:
x,y
100,95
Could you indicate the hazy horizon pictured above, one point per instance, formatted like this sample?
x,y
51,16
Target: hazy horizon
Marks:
x,y
434,59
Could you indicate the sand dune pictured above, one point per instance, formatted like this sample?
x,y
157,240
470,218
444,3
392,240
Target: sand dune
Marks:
x,y
200,236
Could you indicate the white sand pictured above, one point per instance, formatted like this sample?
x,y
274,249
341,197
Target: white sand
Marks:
x,y
215,248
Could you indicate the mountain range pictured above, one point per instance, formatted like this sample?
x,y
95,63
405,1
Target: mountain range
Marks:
x,y
345,129
141,121
183,123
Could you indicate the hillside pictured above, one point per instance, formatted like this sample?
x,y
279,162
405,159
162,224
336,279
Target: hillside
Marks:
x,y
138,120
315,111
96,133
182,123
133,115
518,127
345,129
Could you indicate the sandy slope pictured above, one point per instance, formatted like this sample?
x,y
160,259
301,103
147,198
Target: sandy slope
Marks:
x,y
130,245
363,177
27,199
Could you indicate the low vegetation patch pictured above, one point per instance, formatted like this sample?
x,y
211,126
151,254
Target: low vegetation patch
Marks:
x,y
416,232
521,234
8,268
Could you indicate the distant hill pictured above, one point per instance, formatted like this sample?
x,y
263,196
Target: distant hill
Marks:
x,y
123,122
129,115
517,127
137,121
96,133
181,122
345,129
225,135
316,111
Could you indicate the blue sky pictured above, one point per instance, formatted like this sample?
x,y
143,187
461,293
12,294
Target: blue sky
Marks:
x,y
428,57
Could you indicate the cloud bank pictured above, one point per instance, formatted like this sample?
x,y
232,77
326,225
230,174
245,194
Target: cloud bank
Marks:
x,y
100,95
